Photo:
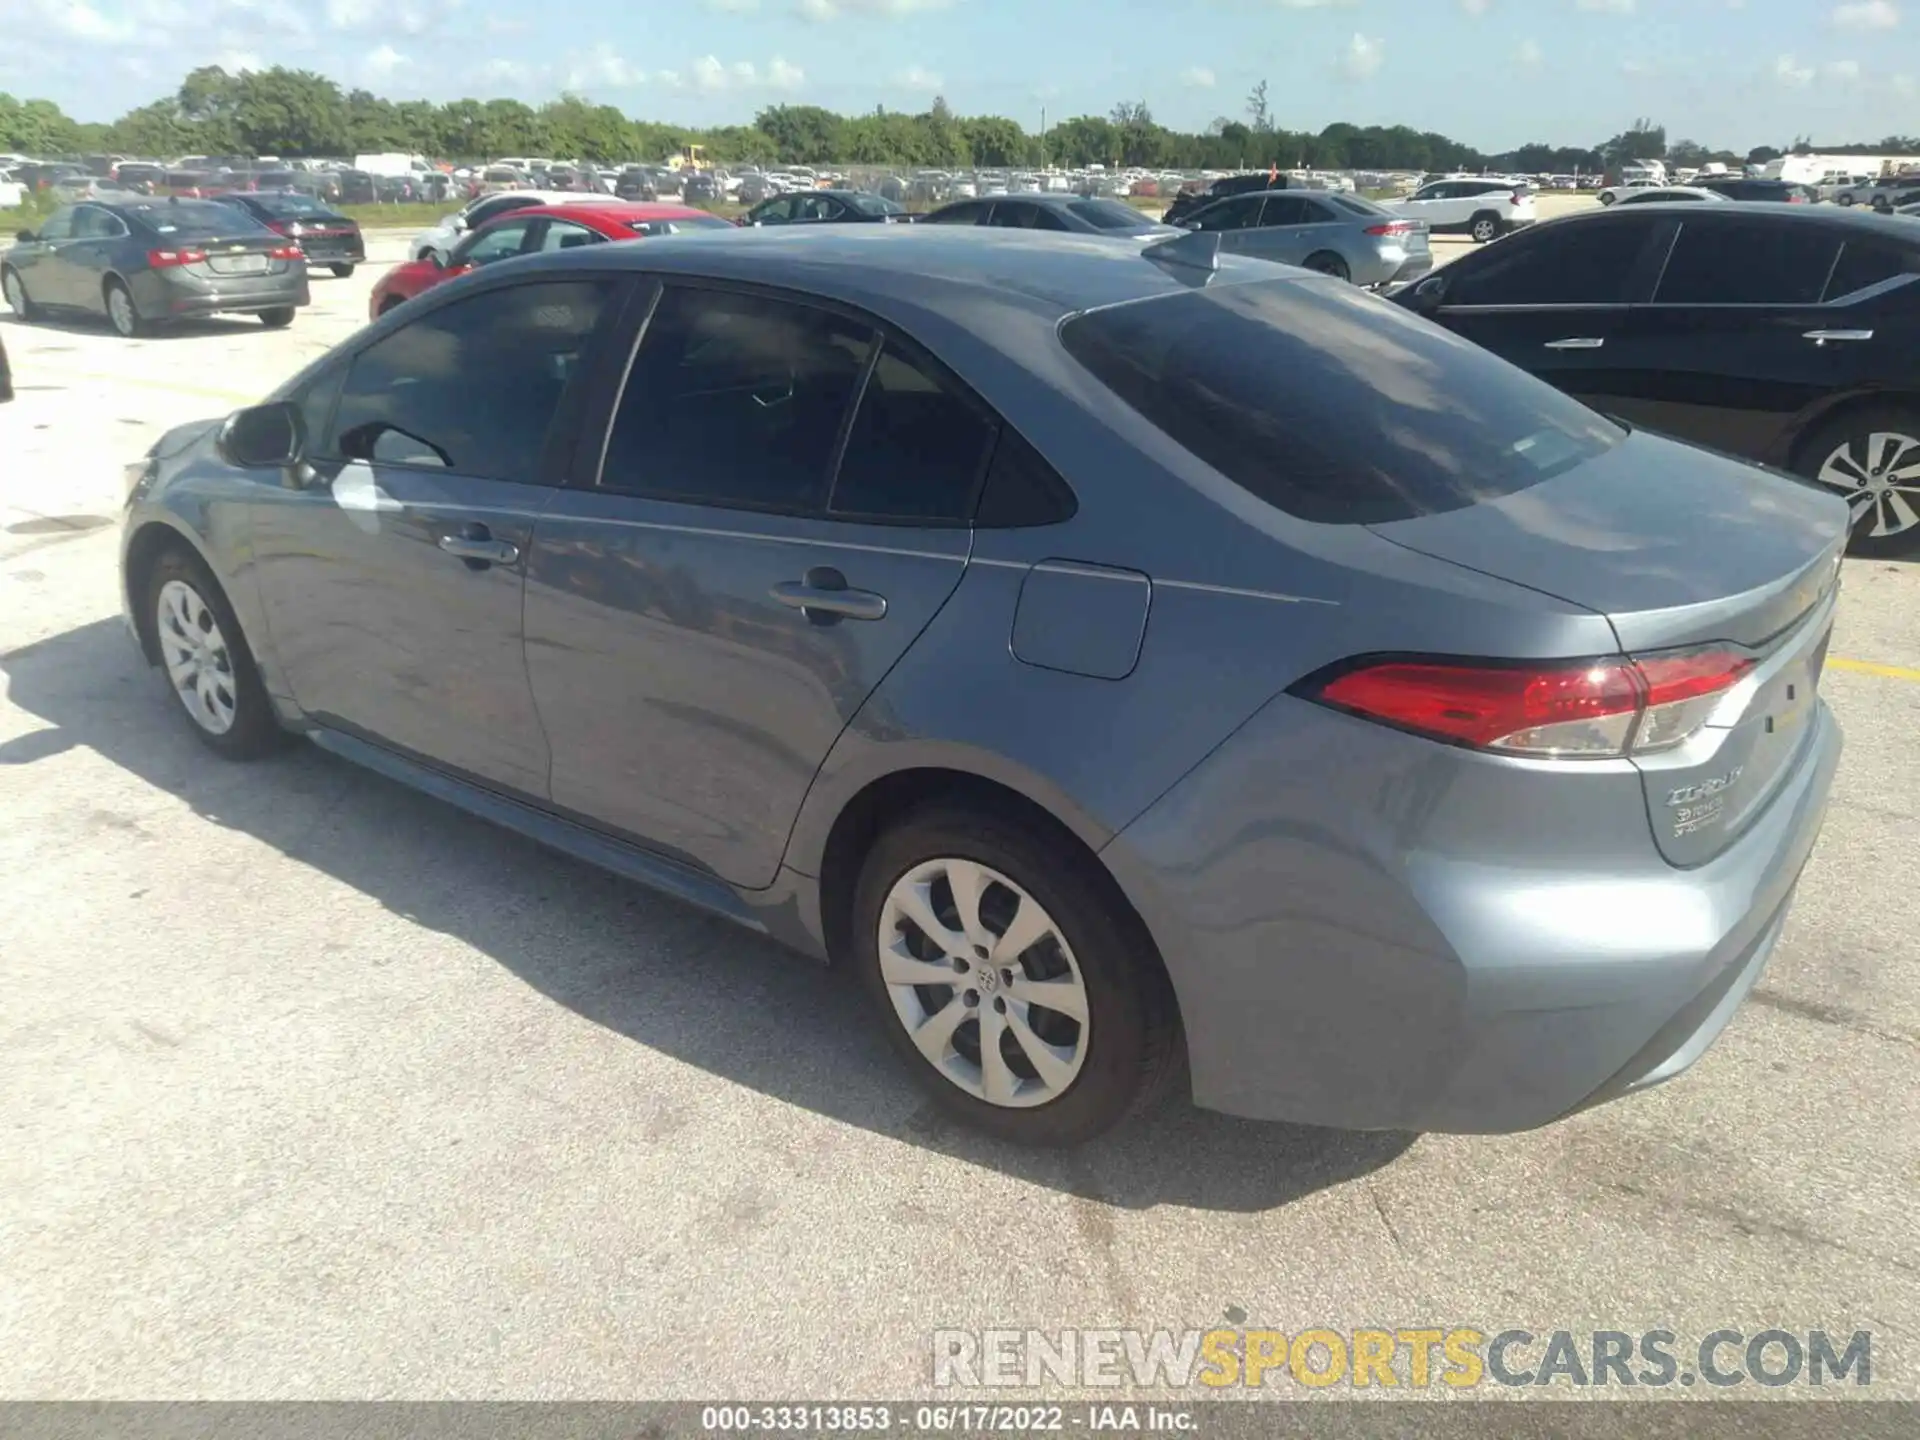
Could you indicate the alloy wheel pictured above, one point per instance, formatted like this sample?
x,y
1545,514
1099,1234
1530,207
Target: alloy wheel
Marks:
x,y
1483,230
16,295
196,656
120,310
984,982
1879,473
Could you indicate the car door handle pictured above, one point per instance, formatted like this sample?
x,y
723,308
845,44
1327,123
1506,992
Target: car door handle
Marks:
x,y
477,547
1821,337
824,598
1577,342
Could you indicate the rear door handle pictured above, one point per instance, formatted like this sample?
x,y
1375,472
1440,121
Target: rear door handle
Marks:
x,y
1577,342
1821,337
476,546
824,598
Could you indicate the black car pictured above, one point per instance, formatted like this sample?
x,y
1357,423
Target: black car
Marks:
x,y
1046,211
1786,334
1189,201
824,207
357,187
1738,187
328,237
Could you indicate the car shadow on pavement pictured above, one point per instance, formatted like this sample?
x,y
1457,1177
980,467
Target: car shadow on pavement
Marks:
x,y
665,975
71,322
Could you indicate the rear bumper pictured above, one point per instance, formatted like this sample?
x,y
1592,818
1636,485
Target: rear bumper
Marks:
x,y
1342,957
1411,269
344,251
173,294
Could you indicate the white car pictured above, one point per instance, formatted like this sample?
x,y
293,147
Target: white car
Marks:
x,y
1613,193
1484,209
439,241
1661,194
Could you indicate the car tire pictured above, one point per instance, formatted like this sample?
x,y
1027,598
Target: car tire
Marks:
x,y
206,661
1843,199
17,298
390,304
1841,456
342,272
1092,1070
1327,263
1484,227
277,318
1605,199
122,313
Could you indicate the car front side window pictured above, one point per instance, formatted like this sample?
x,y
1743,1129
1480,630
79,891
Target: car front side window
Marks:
x,y
1583,262
496,242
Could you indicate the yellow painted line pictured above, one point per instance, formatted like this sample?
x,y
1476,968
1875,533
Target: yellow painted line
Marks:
x,y
1868,667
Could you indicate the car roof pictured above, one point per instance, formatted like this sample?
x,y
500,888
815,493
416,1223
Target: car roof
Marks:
x,y
964,273
1852,216
617,210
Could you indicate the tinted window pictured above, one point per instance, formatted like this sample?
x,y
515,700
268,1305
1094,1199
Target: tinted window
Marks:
x,y
566,235
473,386
1587,262
290,207
59,226
1108,215
494,209
1021,487
966,213
1331,406
774,212
1748,262
675,227
874,205
92,223
916,450
735,400
1230,214
496,242
1012,215
1286,210
179,218
1868,262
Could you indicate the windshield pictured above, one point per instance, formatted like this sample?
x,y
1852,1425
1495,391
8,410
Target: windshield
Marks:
x,y
874,205
191,217
1110,215
290,207
1331,406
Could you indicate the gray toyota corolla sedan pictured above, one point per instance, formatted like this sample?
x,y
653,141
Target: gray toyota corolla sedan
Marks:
x,y
1118,655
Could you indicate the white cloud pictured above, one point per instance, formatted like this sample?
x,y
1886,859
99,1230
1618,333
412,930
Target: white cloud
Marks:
x,y
502,72
1198,76
1792,73
1867,15
1475,7
78,20
1362,56
497,25
821,11
1527,54
1611,7
602,67
350,14
1841,70
783,76
916,77
236,61
383,60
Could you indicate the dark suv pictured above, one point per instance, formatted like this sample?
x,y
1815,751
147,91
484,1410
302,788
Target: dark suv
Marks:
x,y
1187,202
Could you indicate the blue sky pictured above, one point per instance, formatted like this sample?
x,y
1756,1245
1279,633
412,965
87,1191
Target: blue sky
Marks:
x,y
1494,73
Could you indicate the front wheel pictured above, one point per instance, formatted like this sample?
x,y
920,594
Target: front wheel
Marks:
x,y
1606,198
1484,228
1008,980
342,271
206,660
16,292
277,318
1872,458
1843,199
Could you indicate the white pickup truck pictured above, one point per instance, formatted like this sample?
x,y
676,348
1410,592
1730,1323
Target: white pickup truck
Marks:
x,y
1484,209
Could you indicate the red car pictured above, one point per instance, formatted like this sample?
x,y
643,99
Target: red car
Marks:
x,y
538,228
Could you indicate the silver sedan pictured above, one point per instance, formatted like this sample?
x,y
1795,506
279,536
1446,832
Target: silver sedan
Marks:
x,y
1340,235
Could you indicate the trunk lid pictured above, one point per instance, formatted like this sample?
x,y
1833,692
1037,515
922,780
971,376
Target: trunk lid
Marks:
x,y
1680,547
235,256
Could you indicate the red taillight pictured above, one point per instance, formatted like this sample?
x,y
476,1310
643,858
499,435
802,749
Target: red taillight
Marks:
x,y
1392,227
167,259
1515,198
281,227
1796,199
286,252
1593,709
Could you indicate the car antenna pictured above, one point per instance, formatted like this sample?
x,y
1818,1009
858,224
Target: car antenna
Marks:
x,y
1196,250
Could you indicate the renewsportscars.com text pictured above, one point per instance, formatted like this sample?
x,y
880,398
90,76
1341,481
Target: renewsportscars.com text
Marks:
x,y
1413,1358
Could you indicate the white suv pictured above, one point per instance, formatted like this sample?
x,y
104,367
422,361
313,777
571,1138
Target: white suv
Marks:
x,y
440,240
1483,209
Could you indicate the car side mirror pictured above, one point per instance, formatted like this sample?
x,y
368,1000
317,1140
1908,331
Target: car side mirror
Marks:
x,y
264,437
1427,296
456,222
25,237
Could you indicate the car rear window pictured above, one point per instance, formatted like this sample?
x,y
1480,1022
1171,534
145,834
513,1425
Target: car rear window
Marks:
x,y
1331,406
290,207
1109,215
191,217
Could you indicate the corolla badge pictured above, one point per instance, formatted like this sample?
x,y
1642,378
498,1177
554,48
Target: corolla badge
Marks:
x,y
1695,807
1693,794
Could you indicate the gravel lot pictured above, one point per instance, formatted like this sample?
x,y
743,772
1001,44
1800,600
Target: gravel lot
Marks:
x,y
312,1087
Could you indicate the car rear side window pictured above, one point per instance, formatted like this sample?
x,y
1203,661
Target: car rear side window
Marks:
x,y
1865,263
735,399
917,449
1748,262
1107,214
474,387
1331,406
1582,262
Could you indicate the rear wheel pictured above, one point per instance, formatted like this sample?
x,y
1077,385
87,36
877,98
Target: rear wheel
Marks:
x,y
122,313
277,318
1327,263
1844,198
1607,197
16,292
206,661
343,271
1484,226
1005,980
1872,458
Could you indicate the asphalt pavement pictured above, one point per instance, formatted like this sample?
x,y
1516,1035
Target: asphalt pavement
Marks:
x,y
313,1087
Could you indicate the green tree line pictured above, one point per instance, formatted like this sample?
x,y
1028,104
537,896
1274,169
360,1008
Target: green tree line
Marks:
x,y
292,113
